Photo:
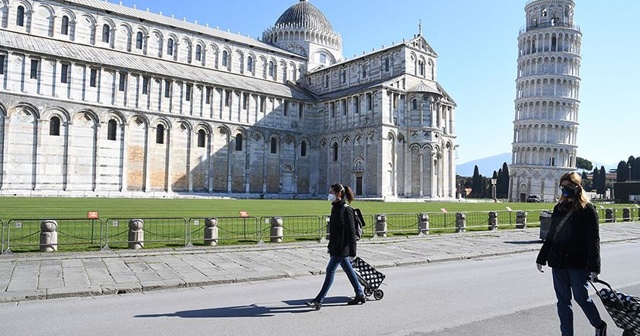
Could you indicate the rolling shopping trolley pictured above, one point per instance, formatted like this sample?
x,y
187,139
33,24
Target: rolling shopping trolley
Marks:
x,y
624,309
369,278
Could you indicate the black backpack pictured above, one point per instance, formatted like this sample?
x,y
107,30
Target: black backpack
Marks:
x,y
358,218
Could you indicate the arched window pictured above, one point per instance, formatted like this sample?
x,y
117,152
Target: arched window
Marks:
x,y
303,149
364,71
225,58
414,104
239,143
369,102
170,47
201,138
274,146
271,69
139,40
106,33
386,64
335,151
20,16
250,64
54,126
112,128
356,105
421,68
160,134
344,76
198,53
64,29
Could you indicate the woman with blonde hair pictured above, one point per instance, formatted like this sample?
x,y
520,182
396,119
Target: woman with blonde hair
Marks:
x,y
572,249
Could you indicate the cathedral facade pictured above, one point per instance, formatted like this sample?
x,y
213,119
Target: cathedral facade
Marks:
x,y
98,99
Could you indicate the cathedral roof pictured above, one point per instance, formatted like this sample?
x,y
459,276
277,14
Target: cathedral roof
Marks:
x,y
114,59
305,16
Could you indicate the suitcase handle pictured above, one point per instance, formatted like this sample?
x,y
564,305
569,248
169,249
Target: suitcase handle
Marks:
x,y
606,284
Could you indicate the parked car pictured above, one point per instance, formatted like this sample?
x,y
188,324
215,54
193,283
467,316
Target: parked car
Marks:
x,y
534,199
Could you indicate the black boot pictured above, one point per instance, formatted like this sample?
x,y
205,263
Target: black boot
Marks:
x,y
357,300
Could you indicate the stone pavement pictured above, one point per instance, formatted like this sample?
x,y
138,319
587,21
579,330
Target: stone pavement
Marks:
x,y
33,276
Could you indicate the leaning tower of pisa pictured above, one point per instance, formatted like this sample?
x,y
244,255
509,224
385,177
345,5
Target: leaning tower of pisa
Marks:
x,y
547,101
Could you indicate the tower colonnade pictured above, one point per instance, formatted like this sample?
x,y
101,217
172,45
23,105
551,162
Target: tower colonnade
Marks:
x,y
547,100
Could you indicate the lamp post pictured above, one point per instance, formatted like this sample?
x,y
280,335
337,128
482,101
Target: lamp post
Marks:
x,y
493,188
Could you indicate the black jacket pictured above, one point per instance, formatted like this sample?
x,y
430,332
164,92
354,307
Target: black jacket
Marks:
x,y
342,236
577,245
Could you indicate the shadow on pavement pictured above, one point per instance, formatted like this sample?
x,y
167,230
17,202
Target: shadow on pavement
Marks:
x,y
525,242
252,310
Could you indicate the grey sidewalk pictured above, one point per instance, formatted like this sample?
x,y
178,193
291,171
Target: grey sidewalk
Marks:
x,y
34,276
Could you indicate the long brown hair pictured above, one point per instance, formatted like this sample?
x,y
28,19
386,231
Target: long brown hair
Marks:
x,y
346,191
580,200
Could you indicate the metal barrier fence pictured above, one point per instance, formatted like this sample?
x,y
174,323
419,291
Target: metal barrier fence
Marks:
x,y
401,223
2,228
24,234
167,231
293,228
240,229
368,231
618,214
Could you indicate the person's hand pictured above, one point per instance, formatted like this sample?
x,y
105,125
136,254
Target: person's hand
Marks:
x,y
540,268
593,276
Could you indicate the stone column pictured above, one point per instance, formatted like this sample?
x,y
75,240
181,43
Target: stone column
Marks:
x,y
276,233
461,222
493,220
381,226
136,234
48,236
423,224
521,219
211,231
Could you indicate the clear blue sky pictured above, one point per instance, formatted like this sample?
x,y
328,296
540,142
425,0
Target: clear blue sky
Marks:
x,y
476,42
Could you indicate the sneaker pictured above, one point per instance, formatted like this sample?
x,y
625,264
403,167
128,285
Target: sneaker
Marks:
x,y
602,329
357,300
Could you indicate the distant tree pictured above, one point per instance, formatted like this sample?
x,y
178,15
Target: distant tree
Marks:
x,y
594,179
602,180
476,183
631,161
635,170
503,181
583,164
585,179
622,173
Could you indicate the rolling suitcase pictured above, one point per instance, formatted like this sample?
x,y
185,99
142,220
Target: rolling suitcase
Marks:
x,y
624,309
369,278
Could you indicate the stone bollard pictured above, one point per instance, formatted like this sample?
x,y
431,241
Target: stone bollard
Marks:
x,y
381,226
48,236
626,215
277,230
493,220
521,219
423,224
545,224
136,234
211,232
609,216
461,222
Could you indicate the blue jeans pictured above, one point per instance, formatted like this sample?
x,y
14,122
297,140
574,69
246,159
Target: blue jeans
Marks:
x,y
566,281
334,261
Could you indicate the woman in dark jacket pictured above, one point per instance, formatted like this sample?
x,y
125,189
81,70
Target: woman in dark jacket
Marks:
x,y
342,244
572,249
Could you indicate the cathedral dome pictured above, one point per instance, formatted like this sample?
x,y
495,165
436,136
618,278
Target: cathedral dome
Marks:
x,y
305,16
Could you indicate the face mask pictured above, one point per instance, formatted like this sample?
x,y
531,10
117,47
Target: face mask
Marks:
x,y
331,197
568,192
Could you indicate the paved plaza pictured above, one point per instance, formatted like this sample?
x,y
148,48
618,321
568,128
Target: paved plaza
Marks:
x,y
36,276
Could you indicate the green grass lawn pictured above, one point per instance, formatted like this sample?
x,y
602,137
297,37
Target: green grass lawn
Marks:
x,y
175,222
37,208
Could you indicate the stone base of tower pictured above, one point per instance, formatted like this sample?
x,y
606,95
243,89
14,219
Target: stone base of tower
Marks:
x,y
535,181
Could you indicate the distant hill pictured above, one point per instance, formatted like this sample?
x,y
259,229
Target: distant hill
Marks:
x,y
489,164
485,165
